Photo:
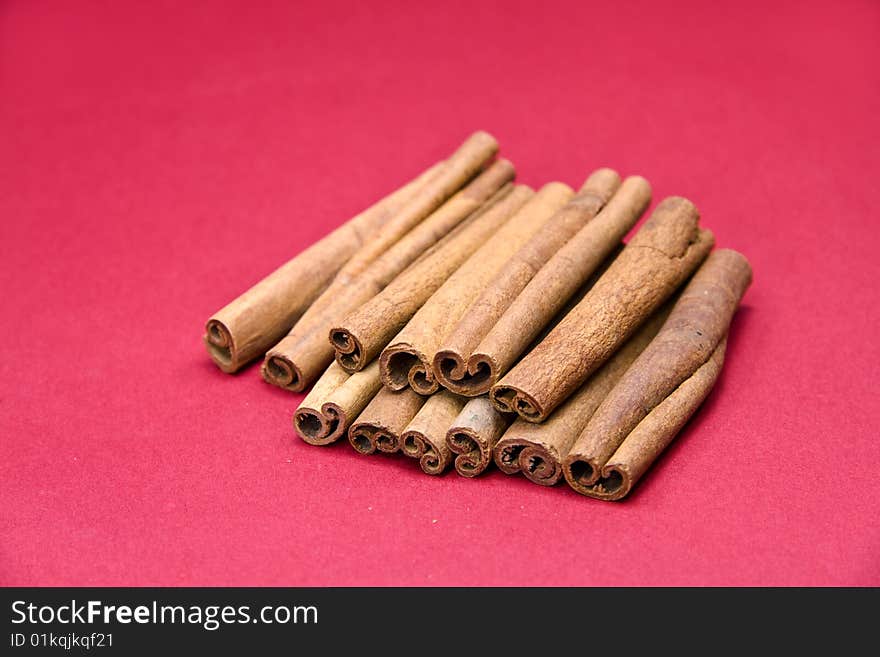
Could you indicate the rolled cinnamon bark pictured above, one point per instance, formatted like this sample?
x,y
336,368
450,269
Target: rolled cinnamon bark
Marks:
x,y
334,402
298,359
245,328
406,361
473,435
425,436
537,450
538,282
462,165
360,336
380,424
664,385
658,259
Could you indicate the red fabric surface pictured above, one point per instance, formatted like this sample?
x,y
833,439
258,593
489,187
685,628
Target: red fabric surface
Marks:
x,y
158,158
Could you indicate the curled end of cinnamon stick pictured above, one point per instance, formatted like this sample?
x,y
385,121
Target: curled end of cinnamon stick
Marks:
x,y
472,457
349,352
536,462
612,482
368,438
221,346
581,473
509,399
469,379
320,427
403,365
432,459
506,456
540,466
282,372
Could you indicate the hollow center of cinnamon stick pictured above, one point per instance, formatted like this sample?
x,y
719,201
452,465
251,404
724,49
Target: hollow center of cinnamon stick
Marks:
x,y
410,444
535,464
361,442
581,471
308,424
399,365
510,454
611,483
281,372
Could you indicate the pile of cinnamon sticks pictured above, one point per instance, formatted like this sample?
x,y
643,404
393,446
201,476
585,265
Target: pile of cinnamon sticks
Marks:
x,y
465,319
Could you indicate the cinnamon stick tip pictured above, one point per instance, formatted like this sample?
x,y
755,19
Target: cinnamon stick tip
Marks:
x,y
416,445
348,350
506,456
282,372
736,260
611,483
502,163
540,466
483,136
367,438
220,345
470,379
401,365
508,399
678,205
319,426
603,178
360,440
555,186
640,184
470,460
411,444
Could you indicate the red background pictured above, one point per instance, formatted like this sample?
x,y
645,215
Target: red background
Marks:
x,y
157,158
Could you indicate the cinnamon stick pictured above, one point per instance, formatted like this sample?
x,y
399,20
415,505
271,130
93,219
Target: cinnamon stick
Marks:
x,y
336,399
538,282
359,337
537,450
663,387
425,436
246,327
298,359
406,361
664,252
380,424
473,435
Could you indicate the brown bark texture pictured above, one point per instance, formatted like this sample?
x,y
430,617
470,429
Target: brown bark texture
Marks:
x,y
538,282
658,259
664,386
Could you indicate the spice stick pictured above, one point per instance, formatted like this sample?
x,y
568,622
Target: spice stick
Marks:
x,y
360,336
462,165
664,252
298,359
473,435
537,450
654,433
406,361
334,402
538,282
664,385
425,436
380,424
245,328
